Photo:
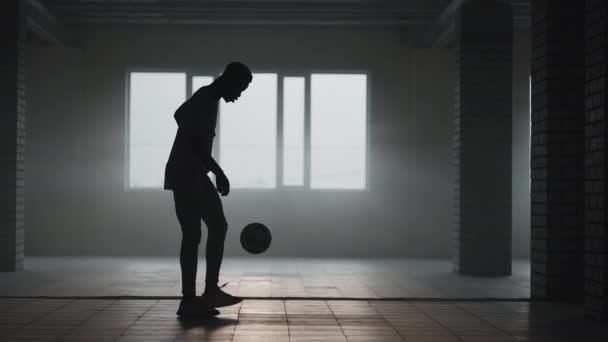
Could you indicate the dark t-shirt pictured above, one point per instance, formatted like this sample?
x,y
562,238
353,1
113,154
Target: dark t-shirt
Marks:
x,y
196,120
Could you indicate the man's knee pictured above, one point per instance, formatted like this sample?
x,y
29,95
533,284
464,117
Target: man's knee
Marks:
x,y
218,227
192,237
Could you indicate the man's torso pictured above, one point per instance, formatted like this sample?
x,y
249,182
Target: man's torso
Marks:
x,y
195,117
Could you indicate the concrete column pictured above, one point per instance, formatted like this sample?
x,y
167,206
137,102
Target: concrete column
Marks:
x,y
557,156
12,137
482,141
596,160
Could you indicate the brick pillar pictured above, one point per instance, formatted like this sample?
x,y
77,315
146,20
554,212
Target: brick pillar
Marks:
x,y
557,156
12,137
482,141
596,160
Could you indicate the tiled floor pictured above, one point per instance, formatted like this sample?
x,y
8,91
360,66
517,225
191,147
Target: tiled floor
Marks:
x,y
296,321
263,277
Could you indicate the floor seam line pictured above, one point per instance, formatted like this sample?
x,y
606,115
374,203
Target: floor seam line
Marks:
x,y
135,321
337,321
487,321
41,318
389,323
440,324
84,321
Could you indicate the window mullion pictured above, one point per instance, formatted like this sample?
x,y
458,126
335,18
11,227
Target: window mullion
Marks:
x,y
189,77
280,132
307,143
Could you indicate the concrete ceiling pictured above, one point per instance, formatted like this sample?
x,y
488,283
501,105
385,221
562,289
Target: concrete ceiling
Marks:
x,y
422,23
262,12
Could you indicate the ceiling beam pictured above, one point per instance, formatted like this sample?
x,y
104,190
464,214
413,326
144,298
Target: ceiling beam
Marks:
x,y
45,25
449,11
446,37
443,30
251,12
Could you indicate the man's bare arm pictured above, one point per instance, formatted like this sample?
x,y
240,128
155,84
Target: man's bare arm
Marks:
x,y
213,166
200,147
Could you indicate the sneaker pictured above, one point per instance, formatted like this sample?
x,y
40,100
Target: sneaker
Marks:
x,y
218,298
195,307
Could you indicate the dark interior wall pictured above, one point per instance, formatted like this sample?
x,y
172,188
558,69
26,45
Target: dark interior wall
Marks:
x,y
75,190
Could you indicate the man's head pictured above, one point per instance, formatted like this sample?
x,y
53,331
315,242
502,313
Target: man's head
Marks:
x,y
234,80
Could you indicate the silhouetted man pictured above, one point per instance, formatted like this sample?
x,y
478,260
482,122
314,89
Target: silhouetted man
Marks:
x,y
195,195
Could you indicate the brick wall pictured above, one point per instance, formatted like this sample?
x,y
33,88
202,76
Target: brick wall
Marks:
x,y
482,139
557,149
596,162
12,137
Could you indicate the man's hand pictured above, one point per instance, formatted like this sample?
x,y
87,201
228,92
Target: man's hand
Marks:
x,y
222,184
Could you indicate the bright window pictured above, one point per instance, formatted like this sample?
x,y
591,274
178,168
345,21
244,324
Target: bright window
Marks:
x,y
248,135
153,99
338,131
323,135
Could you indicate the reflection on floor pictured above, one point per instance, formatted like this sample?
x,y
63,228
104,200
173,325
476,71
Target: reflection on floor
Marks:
x,y
296,321
263,277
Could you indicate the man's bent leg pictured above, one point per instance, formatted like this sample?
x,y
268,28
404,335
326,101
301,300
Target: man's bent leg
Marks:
x,y
188,214
215,251
213,215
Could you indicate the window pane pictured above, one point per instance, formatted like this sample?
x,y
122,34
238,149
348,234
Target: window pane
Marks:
x,y
248,134
154,97
293,131
197,82
338,131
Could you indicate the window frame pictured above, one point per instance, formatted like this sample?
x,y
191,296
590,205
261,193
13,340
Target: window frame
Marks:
x,y
305,73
